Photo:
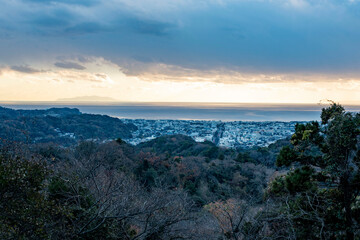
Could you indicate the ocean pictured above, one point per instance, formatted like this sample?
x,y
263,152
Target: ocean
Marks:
x,y
192,111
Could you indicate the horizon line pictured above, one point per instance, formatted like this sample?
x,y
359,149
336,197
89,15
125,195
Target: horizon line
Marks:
x,y
61,102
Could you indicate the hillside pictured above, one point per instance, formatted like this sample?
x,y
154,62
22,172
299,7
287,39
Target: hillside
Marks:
x,y
175,188
206,171
60,125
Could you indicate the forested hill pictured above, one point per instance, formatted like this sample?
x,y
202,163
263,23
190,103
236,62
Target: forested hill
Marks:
x,y
185,146
60,125
175,188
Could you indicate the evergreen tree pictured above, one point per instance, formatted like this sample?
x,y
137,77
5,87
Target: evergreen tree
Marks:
x,y
321,192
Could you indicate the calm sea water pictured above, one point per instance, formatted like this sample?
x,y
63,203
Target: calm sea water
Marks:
x,y
193,111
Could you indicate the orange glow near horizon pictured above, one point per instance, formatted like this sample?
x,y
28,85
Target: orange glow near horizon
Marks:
x,y
108,81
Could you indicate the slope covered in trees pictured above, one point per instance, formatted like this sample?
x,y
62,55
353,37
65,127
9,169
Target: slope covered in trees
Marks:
x,y
116,191
175,188
60,125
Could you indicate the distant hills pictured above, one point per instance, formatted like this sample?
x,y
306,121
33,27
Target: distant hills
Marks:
x,y
87,99
68,126
60,125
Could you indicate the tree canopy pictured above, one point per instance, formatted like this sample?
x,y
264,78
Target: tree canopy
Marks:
x,y
321,191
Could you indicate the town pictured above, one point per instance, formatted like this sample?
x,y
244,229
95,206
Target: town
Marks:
x,y
227,134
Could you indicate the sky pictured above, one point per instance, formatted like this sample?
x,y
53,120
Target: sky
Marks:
x,y
273,51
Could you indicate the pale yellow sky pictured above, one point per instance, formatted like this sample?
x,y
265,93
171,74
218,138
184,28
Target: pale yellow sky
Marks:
x,y
166,84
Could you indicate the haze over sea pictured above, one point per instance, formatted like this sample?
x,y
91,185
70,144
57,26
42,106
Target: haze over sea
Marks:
x,y
191,111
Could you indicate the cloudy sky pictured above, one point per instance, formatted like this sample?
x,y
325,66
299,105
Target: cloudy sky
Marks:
x,y
291,51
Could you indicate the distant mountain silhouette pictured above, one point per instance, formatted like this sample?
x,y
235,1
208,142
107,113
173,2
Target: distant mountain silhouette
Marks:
x,y
88,99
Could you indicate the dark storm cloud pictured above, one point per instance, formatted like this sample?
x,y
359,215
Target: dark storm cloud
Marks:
x,y
55,19
69,65
25,69
278,36
149,27
71,2
86,28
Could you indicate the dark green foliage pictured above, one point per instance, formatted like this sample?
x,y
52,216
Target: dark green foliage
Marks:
x,y
212,152
286,156
277,187
76,199
190,186
211,174
149,177
61,125
36,204
244,157
80,207
332,112
306,134
265,155
180,145
300,180
26,210
21,200
325,185
174,144
60,190
86,150
120,141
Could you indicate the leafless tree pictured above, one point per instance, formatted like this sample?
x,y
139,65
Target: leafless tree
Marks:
x,y
120,201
